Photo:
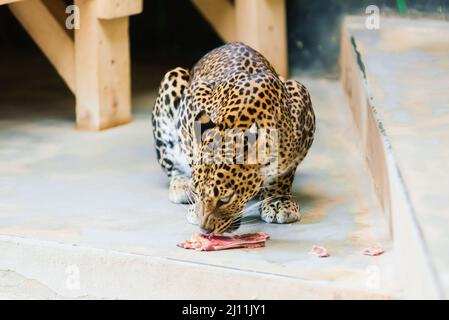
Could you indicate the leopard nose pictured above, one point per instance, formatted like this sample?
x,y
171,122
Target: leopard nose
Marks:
x,y
205,231
205,226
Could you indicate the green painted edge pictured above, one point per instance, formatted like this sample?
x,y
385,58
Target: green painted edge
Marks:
x,y
402,6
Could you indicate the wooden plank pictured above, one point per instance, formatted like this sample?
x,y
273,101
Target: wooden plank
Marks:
x,y
39,23
8,1
112,9
57,9
103,97
221,16
261,24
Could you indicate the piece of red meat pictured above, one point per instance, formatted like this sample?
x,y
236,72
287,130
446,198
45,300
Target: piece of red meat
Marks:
x,y
373,251
213,242
320,252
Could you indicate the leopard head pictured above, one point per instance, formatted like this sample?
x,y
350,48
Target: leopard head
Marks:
x,y
226,175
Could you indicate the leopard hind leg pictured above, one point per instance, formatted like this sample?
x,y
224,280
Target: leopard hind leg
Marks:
x,y
168,151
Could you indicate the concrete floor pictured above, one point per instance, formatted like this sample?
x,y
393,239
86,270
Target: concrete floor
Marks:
x,y
14,286
104,191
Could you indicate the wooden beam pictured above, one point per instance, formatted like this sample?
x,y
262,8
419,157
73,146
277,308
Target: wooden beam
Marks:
x,y
221,16
112,9
57,9
8,1
261,24
103,96
47,33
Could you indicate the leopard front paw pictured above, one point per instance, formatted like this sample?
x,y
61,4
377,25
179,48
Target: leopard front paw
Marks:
x,y
280,211
178,191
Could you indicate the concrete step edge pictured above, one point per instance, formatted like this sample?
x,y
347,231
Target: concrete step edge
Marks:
x,y
73,271
418,275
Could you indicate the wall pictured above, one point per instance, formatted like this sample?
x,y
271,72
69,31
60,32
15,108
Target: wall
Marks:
x,y
314,27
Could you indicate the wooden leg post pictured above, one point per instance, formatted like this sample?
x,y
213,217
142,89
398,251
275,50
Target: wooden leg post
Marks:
x,y
262,24
103,88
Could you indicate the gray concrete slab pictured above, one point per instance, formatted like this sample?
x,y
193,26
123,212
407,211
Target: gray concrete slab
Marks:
x,y
407,63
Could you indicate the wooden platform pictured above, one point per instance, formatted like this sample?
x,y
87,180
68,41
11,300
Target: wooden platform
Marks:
x,y
88,45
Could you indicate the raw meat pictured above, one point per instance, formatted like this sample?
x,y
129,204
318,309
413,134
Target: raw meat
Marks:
x,y
320,252
212,242
373,251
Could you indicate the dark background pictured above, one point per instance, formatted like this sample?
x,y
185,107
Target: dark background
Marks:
x,y
173,33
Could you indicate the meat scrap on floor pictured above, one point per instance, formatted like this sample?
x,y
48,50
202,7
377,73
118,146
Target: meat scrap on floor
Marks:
x,y
213,242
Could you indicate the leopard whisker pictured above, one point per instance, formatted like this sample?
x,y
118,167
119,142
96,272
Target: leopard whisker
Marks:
x,y
257,204
191,197
250,222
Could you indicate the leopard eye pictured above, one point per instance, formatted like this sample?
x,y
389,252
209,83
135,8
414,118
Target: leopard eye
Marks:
x,y
225,199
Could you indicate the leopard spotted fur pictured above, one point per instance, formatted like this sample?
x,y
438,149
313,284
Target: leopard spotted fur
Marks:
x,y
231,87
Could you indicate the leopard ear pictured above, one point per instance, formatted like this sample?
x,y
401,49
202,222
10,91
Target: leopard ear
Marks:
x,y
202,123
203,119
254,128
251,135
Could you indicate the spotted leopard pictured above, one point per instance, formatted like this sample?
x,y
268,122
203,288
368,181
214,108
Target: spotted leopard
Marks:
x,y
231,87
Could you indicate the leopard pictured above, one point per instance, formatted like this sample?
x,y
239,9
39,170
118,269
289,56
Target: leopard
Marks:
x,y
232,88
